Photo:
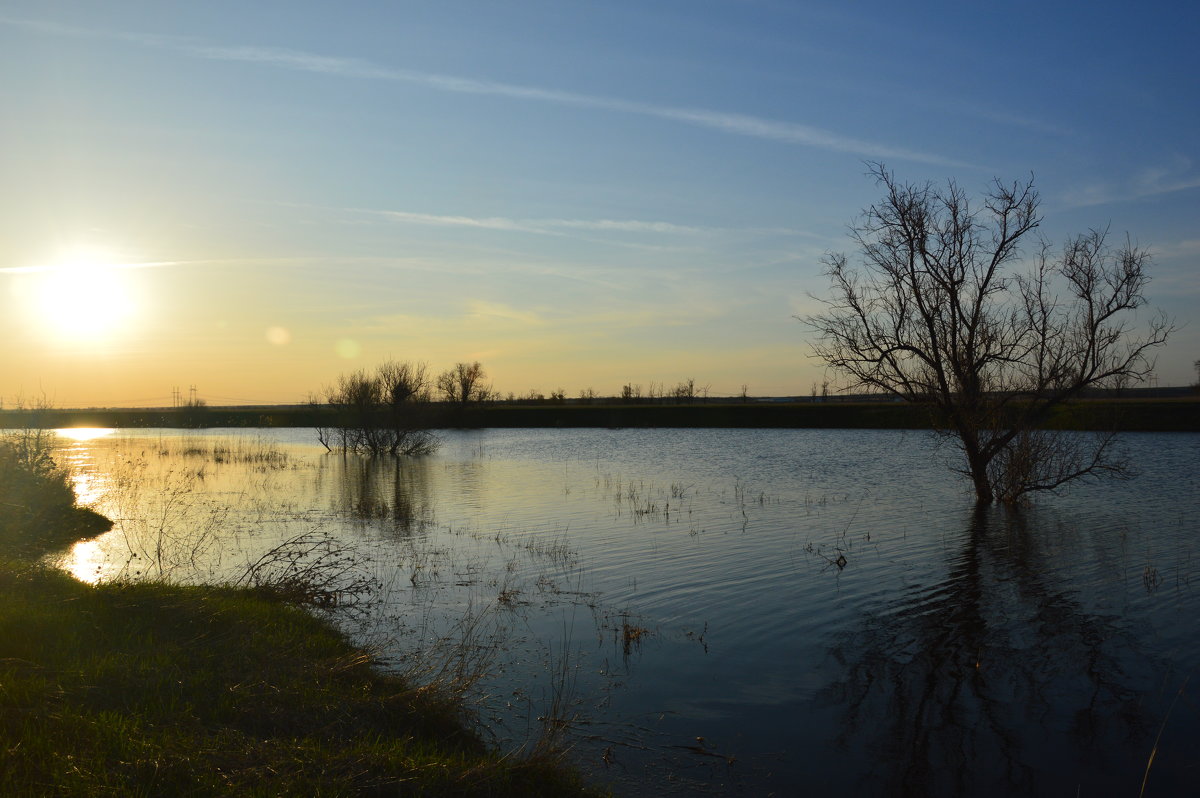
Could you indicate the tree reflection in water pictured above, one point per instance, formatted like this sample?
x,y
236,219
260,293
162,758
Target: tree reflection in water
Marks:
x,y
394,491
1000,680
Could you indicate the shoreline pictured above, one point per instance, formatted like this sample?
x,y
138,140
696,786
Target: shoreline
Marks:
x,y
1180,414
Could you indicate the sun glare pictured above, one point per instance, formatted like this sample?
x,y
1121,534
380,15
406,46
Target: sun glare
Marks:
x,y
84,433
84,299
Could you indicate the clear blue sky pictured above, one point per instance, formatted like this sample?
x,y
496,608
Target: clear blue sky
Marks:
x,y
577,194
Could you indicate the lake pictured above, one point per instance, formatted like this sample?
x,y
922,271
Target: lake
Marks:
x,y
819,612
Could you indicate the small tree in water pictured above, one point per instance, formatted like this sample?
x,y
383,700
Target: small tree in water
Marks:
x,y
943,310
384,412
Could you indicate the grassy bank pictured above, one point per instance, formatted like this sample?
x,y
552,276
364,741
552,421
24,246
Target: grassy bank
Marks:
x,y
157,689
151,689
1159,415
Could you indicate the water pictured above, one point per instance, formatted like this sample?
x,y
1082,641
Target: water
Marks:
x,y
726,611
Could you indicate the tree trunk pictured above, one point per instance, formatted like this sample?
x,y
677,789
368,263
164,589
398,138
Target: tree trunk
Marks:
x,y
983,488
978,464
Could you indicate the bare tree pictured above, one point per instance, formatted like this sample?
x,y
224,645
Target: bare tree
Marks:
x,y
403,381
464,384
684,391
944,311
385,412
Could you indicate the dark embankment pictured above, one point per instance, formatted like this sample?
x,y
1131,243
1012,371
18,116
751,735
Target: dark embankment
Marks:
x,y
1151,415
140,689
1129,416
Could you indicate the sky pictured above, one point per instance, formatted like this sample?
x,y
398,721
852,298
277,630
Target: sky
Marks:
x,y
253,198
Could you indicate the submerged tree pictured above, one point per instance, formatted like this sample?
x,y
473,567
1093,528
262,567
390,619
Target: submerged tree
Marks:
x,y
944,311
382,412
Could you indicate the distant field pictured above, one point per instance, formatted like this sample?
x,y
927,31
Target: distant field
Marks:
x,y
1160,415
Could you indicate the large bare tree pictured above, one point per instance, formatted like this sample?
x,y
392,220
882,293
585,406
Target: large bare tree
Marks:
x,y
944,308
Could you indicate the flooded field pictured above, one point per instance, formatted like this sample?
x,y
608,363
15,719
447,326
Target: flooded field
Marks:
x,y
717,611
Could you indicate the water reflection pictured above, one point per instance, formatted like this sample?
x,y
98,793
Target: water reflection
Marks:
x,y
1000,680
393,492
76,455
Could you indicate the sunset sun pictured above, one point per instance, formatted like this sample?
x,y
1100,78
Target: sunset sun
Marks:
x,y
84,299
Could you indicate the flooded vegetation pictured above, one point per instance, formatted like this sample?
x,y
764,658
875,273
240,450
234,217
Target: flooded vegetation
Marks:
x,y
723,611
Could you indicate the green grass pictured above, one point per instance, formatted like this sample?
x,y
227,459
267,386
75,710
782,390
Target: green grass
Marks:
x,y
153,689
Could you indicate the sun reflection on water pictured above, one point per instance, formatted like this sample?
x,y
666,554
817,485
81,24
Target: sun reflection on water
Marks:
x,y
88,561
84,433
79,458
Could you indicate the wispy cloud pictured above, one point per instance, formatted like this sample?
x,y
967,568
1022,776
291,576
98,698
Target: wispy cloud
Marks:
x,y
58,267
620,225
964,106
1176,272
740,124
726,122
538,226
495,311
1188,248
1150,182
493,317
1179,176
482,223
639,234
1015,119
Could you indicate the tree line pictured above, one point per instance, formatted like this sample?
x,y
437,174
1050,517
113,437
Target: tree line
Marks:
x,y
394,408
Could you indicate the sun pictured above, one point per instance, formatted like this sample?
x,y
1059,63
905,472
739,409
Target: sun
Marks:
x,y
84,299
